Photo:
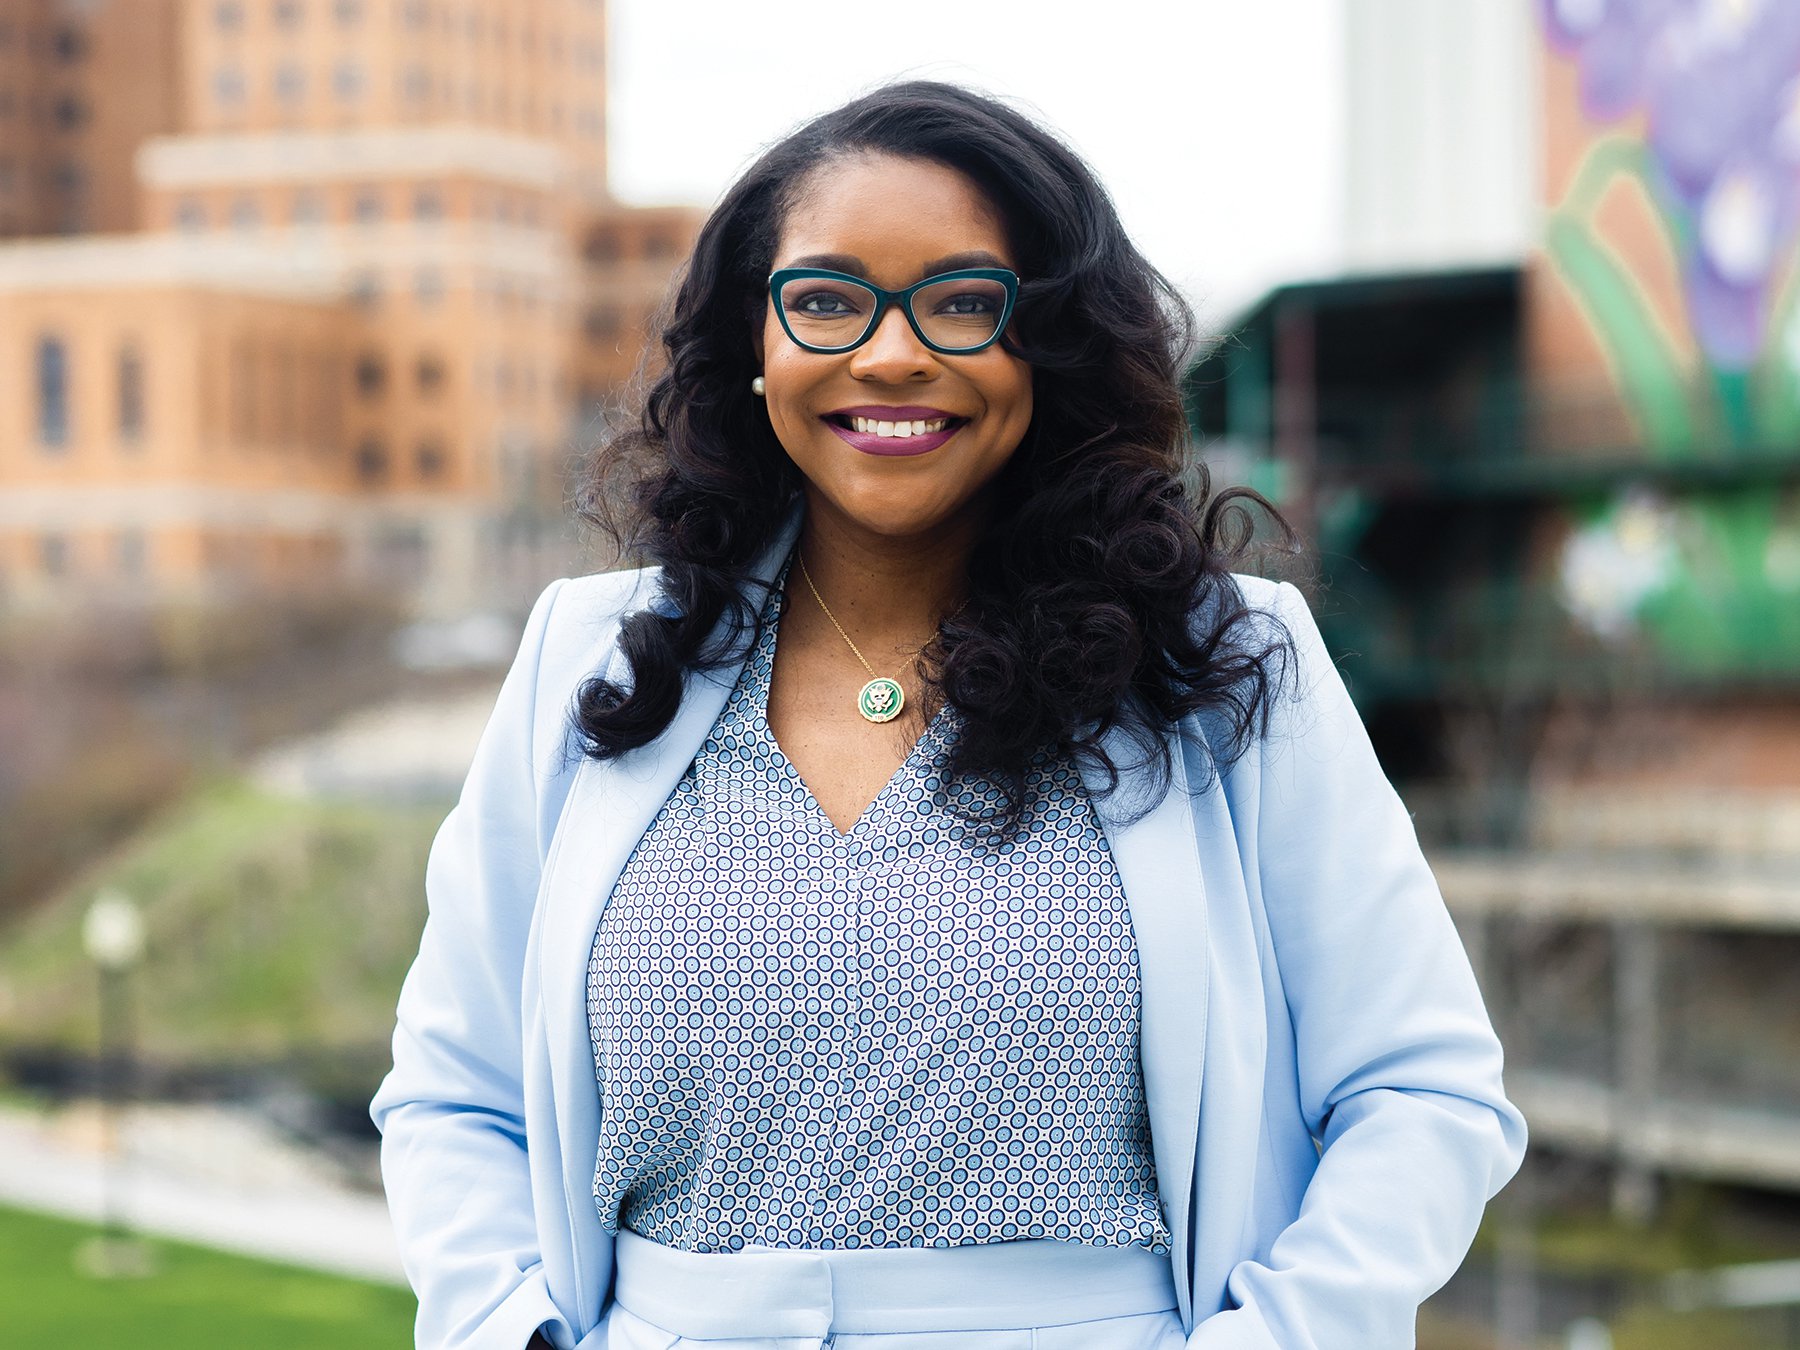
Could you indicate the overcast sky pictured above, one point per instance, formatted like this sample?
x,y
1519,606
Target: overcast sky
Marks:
x,y
1214,123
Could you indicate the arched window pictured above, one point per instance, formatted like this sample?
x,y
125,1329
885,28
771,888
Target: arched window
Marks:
x,y
53,391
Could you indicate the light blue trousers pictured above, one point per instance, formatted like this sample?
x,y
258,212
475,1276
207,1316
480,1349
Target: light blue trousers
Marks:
x,y
1036,1295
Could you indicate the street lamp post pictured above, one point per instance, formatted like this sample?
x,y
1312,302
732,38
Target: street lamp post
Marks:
x,y
113,935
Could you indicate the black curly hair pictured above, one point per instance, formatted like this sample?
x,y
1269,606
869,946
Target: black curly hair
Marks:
x,y
1100,595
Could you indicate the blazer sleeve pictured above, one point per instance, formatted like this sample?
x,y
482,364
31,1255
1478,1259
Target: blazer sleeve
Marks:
x,y
451,1110
1399,1066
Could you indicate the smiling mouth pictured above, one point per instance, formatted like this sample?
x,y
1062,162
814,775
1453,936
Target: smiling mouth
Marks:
x,y
870,426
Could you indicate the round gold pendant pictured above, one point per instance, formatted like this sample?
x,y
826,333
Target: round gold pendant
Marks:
x,y
881,700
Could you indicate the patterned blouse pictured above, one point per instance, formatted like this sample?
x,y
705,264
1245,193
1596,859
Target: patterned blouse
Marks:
x,y
894,1037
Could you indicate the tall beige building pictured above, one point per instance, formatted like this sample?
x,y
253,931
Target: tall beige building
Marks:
x,y
296,291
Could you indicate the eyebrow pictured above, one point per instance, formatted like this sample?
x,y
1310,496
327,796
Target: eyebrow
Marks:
x,y
952,262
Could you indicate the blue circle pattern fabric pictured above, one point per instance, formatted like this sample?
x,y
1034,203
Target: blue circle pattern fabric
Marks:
x,y
895,1037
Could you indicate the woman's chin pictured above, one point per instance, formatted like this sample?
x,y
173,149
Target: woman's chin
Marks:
x,y
879,515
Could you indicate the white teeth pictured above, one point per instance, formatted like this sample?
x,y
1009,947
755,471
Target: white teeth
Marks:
x,y
869,426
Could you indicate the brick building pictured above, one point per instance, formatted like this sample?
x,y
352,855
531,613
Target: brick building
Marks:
x,y
298,291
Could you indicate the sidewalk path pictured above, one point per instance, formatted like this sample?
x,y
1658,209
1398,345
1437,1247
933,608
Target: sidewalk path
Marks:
x,y
205,1175
411,750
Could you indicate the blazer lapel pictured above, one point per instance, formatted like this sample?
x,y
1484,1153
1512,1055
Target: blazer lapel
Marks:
x,y
1159,864
611,804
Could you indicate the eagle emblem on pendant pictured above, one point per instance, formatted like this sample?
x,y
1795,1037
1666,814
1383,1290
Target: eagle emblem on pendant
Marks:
x,y
881,700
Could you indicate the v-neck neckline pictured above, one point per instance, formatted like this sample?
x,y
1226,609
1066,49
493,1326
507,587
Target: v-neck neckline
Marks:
x,y
761,667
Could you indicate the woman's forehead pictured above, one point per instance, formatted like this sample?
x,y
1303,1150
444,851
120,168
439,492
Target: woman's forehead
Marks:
x,y
900,219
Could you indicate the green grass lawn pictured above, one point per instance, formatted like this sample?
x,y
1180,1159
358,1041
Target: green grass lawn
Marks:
x,y
274,926
194,1299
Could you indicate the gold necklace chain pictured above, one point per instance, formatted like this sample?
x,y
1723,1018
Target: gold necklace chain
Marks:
x,y
834,623
881,699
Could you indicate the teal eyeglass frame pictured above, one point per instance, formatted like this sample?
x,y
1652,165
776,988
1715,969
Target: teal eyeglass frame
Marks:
x,y
883,298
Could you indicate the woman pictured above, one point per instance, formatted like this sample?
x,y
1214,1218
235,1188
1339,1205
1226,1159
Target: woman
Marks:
x,y
941,900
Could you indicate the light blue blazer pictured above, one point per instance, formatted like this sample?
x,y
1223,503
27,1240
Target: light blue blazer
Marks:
x,y
1324,1085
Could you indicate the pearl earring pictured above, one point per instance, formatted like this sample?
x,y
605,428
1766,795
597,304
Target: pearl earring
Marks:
x,y
757,387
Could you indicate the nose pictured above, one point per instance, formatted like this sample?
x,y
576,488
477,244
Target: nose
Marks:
x,y
893,352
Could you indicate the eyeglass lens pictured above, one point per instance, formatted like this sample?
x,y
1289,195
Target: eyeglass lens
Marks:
x,y
955,313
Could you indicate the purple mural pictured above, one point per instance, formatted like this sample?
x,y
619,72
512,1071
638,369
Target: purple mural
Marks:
x,y
1719,82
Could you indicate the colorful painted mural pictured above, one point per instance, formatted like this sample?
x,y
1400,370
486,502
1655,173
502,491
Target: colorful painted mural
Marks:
x,y
1664,314
1698,101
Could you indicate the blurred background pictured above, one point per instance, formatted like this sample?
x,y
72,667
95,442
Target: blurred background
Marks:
x,y
310,311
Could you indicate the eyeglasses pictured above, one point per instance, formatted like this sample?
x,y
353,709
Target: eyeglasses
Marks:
x,y
956,313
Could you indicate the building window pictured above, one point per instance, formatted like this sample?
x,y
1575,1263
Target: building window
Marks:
x,y
428,202
428,286
131,394
371,374
288,13
365,290
243,393
286,382
129,552
430,374
367,206
69,113
603,245
371,461
415,85
402,554
349,12
69,45
308,208
290,83
53,391
53,555
228,15
430,461
415,14
602,323
245,213
190,214
347,80
228,86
